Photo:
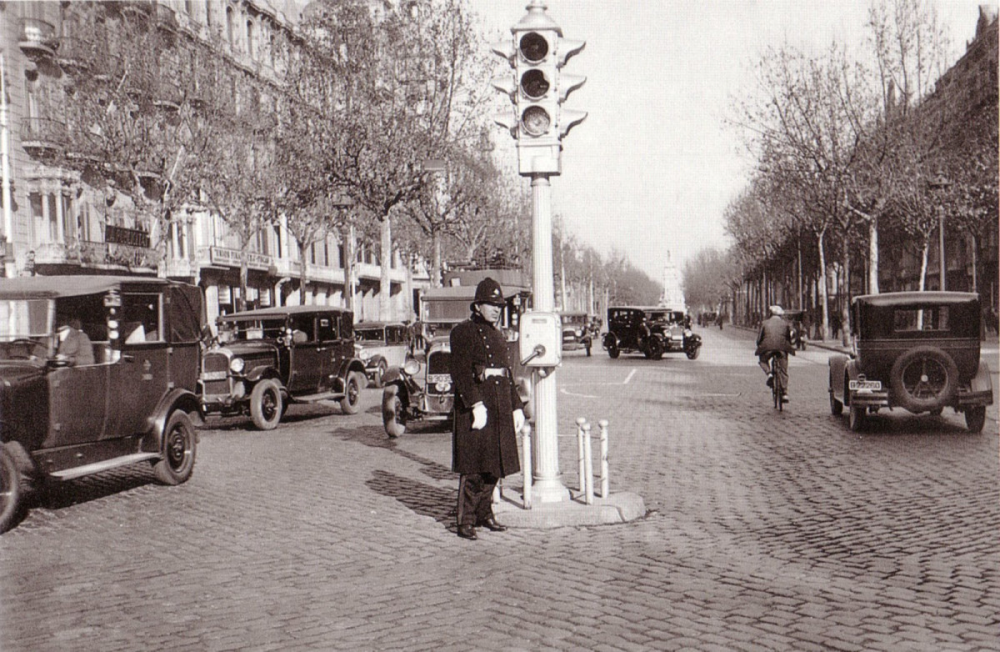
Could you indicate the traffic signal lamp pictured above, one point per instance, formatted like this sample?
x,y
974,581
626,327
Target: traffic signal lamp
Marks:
x,y
538,122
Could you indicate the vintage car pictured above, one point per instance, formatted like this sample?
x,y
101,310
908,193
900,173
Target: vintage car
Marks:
x,y
419,390
650,331
133,401
381,345
266,359
914,350
576,331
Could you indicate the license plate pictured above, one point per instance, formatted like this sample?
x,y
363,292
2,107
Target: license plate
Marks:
x,y
865,385
214,375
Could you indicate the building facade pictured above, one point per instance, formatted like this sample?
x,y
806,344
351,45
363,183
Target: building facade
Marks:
x,y
65,211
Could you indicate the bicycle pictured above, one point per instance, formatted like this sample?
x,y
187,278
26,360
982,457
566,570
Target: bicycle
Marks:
x,y
777,389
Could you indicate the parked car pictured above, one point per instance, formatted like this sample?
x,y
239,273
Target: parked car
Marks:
x,y
419,390
135,401
576,331
266,359
650,331
381,345
914,350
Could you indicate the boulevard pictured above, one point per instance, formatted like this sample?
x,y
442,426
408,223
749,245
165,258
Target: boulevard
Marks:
x,y
765,531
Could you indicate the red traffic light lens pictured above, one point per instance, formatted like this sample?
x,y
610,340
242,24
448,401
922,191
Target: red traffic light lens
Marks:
x,y
536,121
533,47
534,84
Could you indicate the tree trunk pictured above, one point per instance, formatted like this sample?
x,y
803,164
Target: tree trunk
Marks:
x,y
241,303
845,304
385,281
824,295
923,264
303,274
873,256
436,259
348,236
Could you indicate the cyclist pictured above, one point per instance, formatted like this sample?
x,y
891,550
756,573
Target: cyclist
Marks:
x,y
775,341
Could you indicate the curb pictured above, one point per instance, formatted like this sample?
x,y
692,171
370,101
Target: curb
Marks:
x,y
619,507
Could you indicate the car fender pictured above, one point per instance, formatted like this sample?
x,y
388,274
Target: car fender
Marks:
x,y
838,365
259,373
176,399
373,361
349,365
982,382
610,339
392,374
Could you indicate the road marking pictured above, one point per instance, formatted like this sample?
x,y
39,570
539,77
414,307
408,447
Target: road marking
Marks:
x,y
629,377
563,390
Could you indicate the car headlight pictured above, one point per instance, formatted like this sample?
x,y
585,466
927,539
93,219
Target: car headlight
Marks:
x,y
688,333
411,367
364,354
236,365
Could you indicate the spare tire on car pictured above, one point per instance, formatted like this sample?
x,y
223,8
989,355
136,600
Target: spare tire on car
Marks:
x,y
923,379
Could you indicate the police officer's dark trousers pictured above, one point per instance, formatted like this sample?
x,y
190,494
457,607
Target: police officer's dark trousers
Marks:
x,y
475,497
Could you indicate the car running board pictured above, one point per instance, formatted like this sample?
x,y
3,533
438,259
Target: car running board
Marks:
x,y
323,396
97,467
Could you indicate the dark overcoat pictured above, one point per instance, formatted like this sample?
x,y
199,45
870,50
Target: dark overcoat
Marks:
x,y
775,335
477,345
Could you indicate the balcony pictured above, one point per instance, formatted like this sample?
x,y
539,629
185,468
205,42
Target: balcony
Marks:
x,y
37,38
137,11
168,95
43,136
166,19
83,148
75,54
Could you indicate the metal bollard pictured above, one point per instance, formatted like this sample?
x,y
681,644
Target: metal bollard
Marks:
x,y
526,465
603,423
580,467
588,463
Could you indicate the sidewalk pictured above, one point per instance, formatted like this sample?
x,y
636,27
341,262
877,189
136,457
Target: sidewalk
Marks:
x,y
989,346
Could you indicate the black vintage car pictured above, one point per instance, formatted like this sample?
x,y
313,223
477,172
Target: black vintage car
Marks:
x,y
650,331
130,399
576,331
914,350
420,389
266,359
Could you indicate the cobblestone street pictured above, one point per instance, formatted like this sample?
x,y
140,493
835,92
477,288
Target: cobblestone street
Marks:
x,y
765,530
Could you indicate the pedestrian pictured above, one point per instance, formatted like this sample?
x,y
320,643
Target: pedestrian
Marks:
x,y
488,410
835,326
75,348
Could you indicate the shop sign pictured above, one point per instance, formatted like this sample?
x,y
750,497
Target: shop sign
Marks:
x,y
231,258
122,236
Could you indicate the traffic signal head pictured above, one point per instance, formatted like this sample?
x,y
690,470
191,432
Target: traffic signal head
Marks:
x,y
537,53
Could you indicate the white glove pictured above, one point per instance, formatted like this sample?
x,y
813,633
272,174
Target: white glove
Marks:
x,y
518,420
478,416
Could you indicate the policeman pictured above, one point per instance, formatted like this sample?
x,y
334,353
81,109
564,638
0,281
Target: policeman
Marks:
x,y
488,410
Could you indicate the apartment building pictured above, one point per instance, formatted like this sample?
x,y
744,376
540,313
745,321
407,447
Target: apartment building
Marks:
x,y
67,212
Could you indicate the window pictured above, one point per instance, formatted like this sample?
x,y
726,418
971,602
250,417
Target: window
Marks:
x,y
305,323
208,13
229,26
250,43
328,327
140,318
920,319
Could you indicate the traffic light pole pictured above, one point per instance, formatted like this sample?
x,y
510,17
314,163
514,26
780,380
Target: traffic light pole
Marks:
x,y
548,488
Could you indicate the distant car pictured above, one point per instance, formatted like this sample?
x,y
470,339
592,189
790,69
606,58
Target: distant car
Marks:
x,y
135,401
419,390
266,359
381,345
576,331
651,331
914,350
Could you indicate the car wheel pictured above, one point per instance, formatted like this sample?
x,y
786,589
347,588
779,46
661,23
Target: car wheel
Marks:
x,y
380,373
693,352
857,418
179,445
265,404
975,418
393,416
351,403
923,378
836,407
10,490
613,350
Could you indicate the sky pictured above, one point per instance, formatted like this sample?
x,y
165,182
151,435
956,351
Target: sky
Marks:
x,y
653,167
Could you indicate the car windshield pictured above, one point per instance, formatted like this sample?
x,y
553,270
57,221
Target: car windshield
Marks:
x,y
21,322
574,319
370,335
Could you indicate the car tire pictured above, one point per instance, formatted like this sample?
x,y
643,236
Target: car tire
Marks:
x,y
693,353
10,490
351,403
266,404
393,416
613,350
857,418
380,373
836,407
923,378
975,418
180,443
654,349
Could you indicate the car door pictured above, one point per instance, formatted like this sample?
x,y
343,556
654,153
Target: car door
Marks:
x,y
395,339
305,370
139,376
336,330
